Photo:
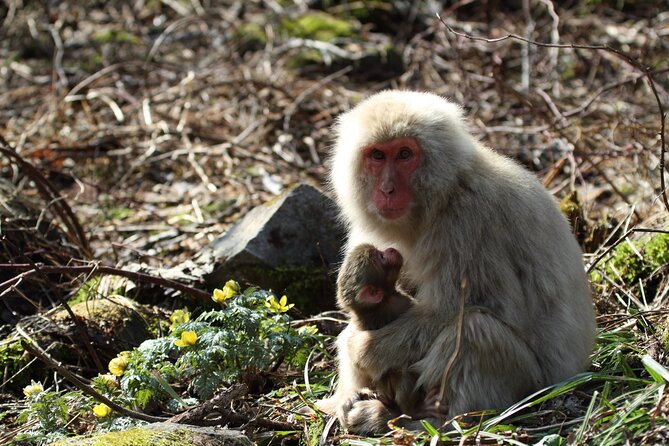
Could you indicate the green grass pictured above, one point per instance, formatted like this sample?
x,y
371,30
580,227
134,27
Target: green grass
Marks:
x,y
619,401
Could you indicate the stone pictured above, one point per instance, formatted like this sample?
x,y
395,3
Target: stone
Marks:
x,y
290,245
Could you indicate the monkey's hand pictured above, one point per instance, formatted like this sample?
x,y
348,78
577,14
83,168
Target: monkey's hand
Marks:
x,y
404,341
433,407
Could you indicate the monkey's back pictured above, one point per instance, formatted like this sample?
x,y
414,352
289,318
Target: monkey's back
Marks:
x,y
507,237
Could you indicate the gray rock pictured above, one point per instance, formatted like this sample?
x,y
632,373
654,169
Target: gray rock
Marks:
x,y
290,245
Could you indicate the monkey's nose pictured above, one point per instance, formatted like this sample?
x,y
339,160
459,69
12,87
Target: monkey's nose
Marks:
x,y
388,188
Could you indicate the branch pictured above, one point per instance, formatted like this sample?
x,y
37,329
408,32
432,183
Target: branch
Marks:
x,y
79,384
51,195
619,241
646,71
28,269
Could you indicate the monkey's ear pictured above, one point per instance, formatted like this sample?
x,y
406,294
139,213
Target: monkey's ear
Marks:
x,y
370,295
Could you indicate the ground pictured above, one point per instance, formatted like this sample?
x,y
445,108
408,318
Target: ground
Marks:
x,y
160,123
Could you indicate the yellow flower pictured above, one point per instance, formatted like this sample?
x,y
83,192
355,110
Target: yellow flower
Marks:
x,y
278,307
187,338
101,410
179,317
230,289
108,380
308,329
117,365
33,389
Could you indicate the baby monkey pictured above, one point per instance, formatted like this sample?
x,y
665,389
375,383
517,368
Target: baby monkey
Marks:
x,y
367,287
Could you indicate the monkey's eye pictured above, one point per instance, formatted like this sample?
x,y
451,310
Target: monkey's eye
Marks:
x,y
377,154
404,154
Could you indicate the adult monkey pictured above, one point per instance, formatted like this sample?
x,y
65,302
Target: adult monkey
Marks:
x,y
407,174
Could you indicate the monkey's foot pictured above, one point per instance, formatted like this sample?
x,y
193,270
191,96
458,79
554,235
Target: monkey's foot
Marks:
x,y
432,408
364,414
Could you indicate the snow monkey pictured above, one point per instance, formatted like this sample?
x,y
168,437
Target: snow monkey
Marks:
x,y
367,287
367,290
407,174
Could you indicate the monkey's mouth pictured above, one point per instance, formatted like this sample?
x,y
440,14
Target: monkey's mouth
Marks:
x,y
391,213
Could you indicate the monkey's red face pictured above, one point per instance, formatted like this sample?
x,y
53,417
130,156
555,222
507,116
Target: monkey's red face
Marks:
x,y
392,164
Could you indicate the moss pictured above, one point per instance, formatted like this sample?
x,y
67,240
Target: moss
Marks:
x,y
13,359
304,287
318,26
116,36
309,287
160,434
134,437
86,291
664,334
251,36
306,56
657,250
119,213
117,316
637,260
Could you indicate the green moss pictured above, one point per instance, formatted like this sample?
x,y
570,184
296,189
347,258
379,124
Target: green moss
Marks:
x,y
251,36
664,334
636,260
119,213
116,36
568,68
304,285
306,56
139,436
86,291
91,289
12,359
318,26
657,250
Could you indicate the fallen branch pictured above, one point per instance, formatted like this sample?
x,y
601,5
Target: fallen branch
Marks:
x,y
75,232
646,71
28,269
219,403
79,384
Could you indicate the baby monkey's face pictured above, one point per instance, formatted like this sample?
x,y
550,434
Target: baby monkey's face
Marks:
x,y
369,269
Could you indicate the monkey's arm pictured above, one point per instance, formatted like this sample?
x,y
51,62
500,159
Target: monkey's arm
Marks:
x,y
403,341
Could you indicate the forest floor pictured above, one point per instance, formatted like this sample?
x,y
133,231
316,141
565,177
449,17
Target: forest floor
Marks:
x,y
143,130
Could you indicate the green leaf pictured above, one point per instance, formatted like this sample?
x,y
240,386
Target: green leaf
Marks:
x,y
657,371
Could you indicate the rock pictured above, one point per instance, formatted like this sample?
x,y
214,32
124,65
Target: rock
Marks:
x,y
166,434
114,322
290,245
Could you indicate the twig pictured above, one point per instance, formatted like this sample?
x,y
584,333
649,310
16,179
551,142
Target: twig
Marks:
x,y
28,270
619,241
78,324
218,403
290,110
75,231
79,384
647,73
458,341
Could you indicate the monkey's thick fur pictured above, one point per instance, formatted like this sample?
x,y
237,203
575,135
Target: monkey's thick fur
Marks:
x,y
363,268
475,216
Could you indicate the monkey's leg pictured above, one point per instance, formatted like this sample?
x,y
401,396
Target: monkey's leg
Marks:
x,y
351,379
493,368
